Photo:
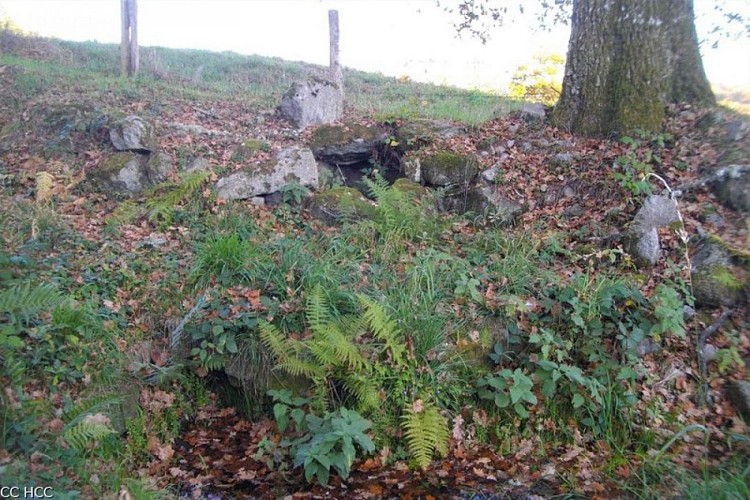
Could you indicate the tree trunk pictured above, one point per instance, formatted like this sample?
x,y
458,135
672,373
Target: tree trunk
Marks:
x,y
337,74
626,60
688,81
129,59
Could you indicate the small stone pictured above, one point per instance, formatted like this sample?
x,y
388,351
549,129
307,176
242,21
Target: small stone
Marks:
x,y
687,116
738,393
562,160
573,211
688,312
154,240
133,134
490,174
709,352
533,113
258,200
197,164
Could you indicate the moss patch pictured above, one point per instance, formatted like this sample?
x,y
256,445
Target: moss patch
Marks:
x,y
445,167
716,286
334,204
330,135
415,134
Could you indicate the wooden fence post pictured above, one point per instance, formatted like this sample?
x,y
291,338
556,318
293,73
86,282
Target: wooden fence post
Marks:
x,y
129,60
337,74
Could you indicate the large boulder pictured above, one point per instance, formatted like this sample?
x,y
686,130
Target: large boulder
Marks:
x,y
713,276
738,393
130,173
414,134
486,202
335,204
313,102
133,134
731,185
642,237
292,164
445,168
347,144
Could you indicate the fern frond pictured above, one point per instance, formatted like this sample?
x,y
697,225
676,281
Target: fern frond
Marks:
x,y
162,207
383,328
345,351
26,300
190,182
317,310
287,352
426,432
44,183
323,353
87,431
274,340
213,362
365,389
377,186
11,367
95,404
297,367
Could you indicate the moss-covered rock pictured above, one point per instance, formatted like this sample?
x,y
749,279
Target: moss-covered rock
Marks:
x,y
716,278
445,168
345,144
337,135
485,202
130,173
291,164
732,187
248,148
121,172
410,187
332,205
716,286
415,134
133,133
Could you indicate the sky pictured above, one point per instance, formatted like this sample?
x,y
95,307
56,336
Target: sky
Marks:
x,y
412,38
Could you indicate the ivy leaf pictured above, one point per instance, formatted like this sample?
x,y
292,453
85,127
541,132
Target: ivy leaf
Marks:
x,y
281,416
231,344
578,400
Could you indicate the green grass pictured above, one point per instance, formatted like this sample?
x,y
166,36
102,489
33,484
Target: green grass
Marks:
x,y
258,81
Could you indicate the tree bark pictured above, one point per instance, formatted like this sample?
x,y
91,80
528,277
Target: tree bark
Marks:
x,y
688,82
337,74
626,60
129,59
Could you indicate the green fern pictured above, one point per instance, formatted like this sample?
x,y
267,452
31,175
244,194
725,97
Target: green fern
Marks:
x,y
367,393
92,405
162,207
84,433
384,329
24,301
317,312
89,421
288,352
426,432
10,366
389,201
344,351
